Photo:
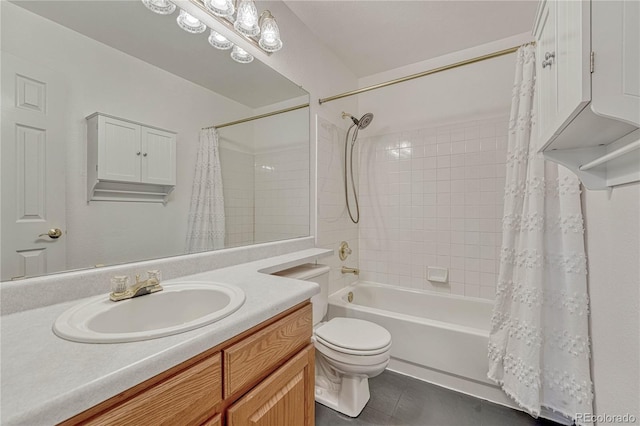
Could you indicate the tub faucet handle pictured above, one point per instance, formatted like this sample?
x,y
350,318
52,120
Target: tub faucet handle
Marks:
x,y
344,251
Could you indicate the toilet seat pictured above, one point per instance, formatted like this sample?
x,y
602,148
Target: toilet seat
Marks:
x,y
352,351
354,336
350,359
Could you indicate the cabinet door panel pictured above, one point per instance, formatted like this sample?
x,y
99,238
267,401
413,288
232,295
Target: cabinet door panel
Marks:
x,y
159,157
119,147
284,398
546,80
572,56
616,43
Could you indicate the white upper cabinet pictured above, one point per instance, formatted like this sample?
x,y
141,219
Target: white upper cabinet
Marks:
x,y
118,150
129,161
158,157
587,88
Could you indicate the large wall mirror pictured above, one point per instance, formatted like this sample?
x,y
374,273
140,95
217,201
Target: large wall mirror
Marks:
x,y
96,90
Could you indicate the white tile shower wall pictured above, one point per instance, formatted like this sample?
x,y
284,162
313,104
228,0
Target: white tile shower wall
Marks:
x,y
238,189
282,193
334,224
433,197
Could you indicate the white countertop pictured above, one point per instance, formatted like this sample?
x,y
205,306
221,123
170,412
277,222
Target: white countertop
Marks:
x,y
45,379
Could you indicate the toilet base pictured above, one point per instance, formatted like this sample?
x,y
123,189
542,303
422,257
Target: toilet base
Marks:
x,y
349,397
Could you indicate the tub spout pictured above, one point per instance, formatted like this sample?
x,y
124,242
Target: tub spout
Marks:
x,y
347,270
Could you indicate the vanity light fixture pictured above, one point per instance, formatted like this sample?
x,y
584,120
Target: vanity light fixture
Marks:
x,y
240,16
219,41
162,7
269,33
190,23
238,54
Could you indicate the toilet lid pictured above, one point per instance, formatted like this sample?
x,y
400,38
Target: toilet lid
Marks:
x,y
354,334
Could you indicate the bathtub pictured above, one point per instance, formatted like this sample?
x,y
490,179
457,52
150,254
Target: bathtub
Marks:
x,y
440,338
437,337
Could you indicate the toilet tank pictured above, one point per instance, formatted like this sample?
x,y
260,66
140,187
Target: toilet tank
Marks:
x,y
315,273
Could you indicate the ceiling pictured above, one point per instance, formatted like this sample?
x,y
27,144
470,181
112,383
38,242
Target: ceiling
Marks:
x,y
376,36
133,29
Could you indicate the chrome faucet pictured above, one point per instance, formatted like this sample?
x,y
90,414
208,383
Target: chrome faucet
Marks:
x,y
347,270
140,288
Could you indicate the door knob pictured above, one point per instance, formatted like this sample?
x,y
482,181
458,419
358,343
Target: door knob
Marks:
x,y
54,233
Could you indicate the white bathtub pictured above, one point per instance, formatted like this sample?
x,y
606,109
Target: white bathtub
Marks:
x,y
437,337
440,338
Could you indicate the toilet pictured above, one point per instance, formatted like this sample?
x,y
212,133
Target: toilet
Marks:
x,y
348,351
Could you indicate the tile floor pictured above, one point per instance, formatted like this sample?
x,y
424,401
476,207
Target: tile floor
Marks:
x,y
398,400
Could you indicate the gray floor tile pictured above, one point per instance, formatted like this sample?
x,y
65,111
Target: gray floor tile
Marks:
x,y
498,415
427,405
369,417
398,400
386,390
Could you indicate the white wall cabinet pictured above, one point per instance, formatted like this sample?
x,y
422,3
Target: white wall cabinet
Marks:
x,y
129,161
587,88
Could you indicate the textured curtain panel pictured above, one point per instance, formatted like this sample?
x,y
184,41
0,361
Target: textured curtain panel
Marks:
x,y
539,343
206,226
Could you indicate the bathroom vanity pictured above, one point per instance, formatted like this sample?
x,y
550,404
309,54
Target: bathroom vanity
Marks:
x,y
263,374
254,366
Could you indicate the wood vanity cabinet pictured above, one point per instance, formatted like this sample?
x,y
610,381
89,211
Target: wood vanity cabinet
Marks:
x,y
264,376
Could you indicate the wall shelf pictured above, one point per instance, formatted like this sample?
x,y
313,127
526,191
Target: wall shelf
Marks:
x,y
604,166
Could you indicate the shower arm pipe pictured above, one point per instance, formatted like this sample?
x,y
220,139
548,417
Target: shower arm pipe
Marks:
x,y
257,117
422,74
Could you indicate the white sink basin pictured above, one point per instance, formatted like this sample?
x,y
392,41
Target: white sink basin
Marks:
x,y
180,307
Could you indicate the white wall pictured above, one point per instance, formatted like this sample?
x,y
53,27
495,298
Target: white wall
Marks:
x,y
239,191
334,225
613,250
282,193
309,63
433,197
103,79
432,172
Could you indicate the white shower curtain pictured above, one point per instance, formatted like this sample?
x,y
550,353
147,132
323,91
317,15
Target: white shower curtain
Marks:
x,y
206,226
539,342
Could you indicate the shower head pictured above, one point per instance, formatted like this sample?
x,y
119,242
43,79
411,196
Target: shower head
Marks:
x,y
364,121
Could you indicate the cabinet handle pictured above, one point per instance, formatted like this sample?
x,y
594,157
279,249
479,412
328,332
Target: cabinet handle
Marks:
x,y
138,153
549,57
144,155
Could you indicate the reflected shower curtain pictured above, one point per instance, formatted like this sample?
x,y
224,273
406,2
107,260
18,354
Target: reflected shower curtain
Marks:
x,y
539,342
206,226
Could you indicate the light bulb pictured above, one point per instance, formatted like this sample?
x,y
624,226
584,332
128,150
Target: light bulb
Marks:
x,y
190,23
270,33
247,18
162,7
219,41
238,54
222,8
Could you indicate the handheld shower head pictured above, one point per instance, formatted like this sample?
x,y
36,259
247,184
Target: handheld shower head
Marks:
x,y
364,121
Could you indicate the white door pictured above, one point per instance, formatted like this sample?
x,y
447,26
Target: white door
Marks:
x,y
158,157
33,159
119,150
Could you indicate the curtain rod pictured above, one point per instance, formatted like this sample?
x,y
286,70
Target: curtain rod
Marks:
x,y
421,74
257,117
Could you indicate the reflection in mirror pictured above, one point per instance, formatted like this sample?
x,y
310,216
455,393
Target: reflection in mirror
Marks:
x,y
153,87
